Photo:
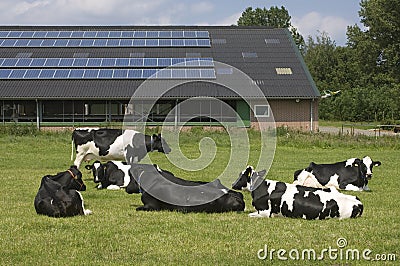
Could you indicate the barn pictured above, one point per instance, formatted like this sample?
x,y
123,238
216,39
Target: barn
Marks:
x,y
87,75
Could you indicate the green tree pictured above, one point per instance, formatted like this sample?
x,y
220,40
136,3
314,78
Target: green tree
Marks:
x,y
274,17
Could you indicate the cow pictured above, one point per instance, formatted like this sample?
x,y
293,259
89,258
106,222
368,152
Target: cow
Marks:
x,y
274,198
59,195
112,175
352,174
113,144
162,190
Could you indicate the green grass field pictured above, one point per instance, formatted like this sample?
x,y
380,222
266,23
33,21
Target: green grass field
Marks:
x,y
118,235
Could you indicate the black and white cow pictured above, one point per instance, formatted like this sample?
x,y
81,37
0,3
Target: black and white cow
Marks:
x,y
273,198
59,195
352,174
161,190
112,175
114,144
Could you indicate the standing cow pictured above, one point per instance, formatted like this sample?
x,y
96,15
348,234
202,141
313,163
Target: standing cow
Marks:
x,y
273,198
114,144
352,174
59,195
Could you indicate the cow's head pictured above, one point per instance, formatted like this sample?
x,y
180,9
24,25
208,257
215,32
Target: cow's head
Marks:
x,y
132,187
98,171
72,179
243,182
369,164
159,144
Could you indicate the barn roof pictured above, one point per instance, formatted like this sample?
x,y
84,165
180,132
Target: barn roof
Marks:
x,y
268,56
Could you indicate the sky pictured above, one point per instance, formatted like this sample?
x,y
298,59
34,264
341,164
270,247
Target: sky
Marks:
x,y
309,16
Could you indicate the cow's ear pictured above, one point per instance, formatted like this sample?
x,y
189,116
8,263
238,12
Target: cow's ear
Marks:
x,y
377,163
357,162
261,173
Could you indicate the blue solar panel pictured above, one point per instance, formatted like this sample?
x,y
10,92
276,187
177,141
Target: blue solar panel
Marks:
x,y
165,34
203,42
126,42
53,62
22,42
4,34
78,62
47,73
147,73
66,62
122,62
139,42
39,34
113,42
92,62
140,34
178,42
120,73
17,73
52,34
89,34
136,61
48,42
62,73
165,42
150,61
102,34
135,73
91,73
152,34
9,62
115,34
190,42
32,73
4,73
87,42
38,62
151,42
76,73
77,34
73,42
65,34
14,34
35,43
108,62
100,42
9,42
178,73
61,42
105,73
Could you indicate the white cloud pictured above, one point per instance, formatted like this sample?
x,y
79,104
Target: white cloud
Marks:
x,y
312,22
202,7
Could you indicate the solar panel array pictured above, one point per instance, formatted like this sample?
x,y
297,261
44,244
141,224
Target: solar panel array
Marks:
x,y
105,34
106,62
104,39
147,73
106,68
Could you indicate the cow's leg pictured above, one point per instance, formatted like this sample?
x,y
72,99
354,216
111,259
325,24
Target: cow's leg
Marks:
x,y
113,187
78,160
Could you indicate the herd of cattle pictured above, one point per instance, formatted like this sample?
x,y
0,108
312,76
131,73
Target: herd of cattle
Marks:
x,y
313,194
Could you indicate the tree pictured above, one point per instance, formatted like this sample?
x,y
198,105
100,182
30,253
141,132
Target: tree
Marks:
x,y
273,17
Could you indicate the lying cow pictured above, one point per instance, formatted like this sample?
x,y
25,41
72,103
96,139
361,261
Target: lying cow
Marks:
x,y
112,175
273,198
161,190
352,174
113,144
58,195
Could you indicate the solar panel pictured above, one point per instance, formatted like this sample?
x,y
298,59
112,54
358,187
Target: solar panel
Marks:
x,y
9,62
17,73
105,73
52,62
4,73
91,73
62,73
47,73
135,73
38,62
76,73
32,73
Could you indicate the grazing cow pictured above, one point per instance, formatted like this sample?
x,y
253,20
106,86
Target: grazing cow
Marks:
x,y
161,190
114,144
352,174
273,198
112,175
58,195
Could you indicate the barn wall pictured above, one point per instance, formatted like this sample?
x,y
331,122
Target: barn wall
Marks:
x,y
291,113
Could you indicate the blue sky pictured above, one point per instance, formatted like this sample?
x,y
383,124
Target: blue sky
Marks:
x,y
309,16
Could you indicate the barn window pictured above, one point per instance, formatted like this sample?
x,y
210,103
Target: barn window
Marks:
x,y
283,71
261,110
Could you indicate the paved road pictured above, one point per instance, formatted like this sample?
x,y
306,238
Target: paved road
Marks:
x,y
348,130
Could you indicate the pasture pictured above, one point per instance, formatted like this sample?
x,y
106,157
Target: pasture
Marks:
x,y
117,234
